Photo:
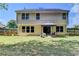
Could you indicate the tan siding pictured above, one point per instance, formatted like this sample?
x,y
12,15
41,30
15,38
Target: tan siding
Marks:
x,y
64,31
37,30
53,29
55,18
44,18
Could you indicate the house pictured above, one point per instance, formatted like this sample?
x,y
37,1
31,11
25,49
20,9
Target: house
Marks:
x,y
2,29
37,21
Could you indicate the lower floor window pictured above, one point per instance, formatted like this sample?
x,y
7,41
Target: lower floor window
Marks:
x,y
59,28
32,28
28,29
23,28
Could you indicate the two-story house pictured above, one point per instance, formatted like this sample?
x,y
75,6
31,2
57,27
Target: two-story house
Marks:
x,y
37,21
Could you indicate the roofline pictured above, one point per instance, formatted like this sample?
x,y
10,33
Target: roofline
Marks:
x,y
41,10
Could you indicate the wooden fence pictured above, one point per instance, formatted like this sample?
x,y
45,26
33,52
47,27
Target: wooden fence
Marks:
x,y
73,31
13,32
8,32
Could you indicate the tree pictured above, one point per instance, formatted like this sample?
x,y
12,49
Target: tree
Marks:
x,y
3,6
12,24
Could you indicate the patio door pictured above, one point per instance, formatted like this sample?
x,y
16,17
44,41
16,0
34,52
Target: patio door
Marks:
x,y
47,29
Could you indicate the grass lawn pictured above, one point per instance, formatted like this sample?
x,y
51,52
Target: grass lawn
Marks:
x,y
36,46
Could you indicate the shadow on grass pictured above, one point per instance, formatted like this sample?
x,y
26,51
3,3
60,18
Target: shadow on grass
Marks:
x,y
41,48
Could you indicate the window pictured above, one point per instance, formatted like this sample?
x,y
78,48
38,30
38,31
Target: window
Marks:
x,y
32,28
37,16
27,29
59,29
23,28
25,16
64,15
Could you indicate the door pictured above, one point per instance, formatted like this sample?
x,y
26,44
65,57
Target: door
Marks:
x,y
47,30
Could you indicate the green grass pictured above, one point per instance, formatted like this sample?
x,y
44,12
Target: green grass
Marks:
x,y
37,46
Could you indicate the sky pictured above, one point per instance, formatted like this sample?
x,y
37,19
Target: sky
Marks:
x,y
6,15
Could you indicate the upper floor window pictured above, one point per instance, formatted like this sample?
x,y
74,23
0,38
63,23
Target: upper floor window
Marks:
x,y
64,15
25,16
37,16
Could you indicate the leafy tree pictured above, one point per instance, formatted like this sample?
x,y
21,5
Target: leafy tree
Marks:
x,y
11,24
3,6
